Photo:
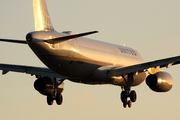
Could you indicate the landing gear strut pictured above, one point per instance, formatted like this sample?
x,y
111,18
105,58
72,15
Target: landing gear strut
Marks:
x,y
127,93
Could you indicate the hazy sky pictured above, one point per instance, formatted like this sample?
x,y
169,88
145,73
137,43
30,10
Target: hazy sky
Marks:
x,y
150,26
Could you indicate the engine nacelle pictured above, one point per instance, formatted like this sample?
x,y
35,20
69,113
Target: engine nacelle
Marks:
x,y
44,85
160,82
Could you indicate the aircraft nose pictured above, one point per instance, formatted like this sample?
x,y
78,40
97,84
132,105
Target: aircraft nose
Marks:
x,y
28,37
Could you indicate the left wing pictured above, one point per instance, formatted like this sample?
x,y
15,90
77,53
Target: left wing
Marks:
x,y
37,71
117,71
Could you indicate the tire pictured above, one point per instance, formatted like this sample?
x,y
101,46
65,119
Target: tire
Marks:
x,y
133,96
123,96
49,99
129,104
125,103
59,99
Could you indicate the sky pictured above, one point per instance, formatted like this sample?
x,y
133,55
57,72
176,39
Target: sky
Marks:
x,y
150,26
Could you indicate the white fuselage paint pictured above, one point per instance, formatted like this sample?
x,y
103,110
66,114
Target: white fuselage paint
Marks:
x,y
85,60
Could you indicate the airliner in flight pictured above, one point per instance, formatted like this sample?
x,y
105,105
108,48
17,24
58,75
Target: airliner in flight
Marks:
x,y
73,57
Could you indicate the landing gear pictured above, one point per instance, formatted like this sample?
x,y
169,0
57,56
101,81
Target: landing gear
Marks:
x,y
127,93
129,103
49,99
59,99
124,104
133,96
56,95
124,98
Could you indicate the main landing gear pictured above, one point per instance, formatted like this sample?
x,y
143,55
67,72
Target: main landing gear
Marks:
x,y
57,96
127,93
58,99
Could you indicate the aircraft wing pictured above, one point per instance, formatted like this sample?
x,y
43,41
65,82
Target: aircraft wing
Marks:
x,y
138,68
37,71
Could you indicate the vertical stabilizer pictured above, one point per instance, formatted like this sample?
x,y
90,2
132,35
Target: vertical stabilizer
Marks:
x,y
41,16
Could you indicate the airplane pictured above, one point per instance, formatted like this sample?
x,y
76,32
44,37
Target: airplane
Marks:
x,y
73,57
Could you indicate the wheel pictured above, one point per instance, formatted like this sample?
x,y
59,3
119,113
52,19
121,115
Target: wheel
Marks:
x,y
123,96
59,99
49,99
133,96
129,104
125,103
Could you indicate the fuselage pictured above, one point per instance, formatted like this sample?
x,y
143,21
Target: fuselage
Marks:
x,y
84,60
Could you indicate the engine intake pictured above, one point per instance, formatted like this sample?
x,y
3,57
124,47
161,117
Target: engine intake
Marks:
x,y
160,82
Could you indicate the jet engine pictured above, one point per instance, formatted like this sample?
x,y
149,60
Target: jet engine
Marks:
x,y
160,82
50,88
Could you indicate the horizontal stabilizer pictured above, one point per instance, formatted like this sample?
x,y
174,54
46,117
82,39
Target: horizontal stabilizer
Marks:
x,y
65,38
13,41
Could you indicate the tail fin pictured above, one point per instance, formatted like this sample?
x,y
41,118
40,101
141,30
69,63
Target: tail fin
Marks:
x,y
41,16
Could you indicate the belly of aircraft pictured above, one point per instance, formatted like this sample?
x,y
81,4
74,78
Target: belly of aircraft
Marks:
x,y
68,67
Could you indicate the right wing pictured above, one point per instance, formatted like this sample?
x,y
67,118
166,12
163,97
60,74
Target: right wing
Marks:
x,y
37,71
138,68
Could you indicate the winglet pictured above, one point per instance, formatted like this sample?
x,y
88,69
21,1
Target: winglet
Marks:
x,y
65,38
